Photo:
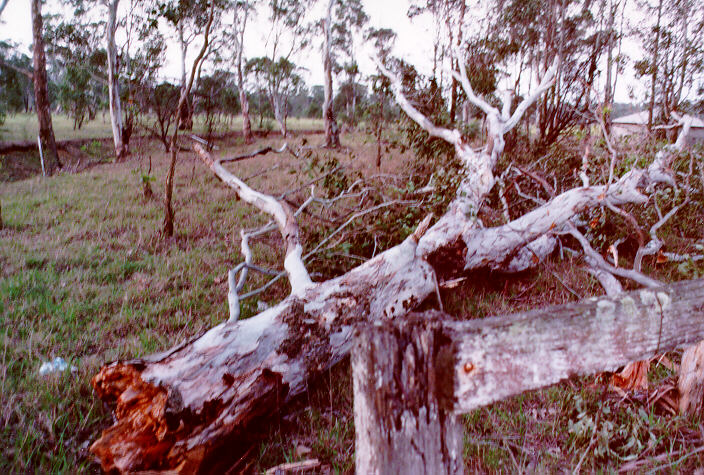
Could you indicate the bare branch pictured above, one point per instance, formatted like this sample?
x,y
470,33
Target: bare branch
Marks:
x,y
262,151
595,260
451,136
281,212
546,83
464,80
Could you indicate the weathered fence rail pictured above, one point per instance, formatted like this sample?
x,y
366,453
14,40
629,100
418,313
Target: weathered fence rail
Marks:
x,y
414,377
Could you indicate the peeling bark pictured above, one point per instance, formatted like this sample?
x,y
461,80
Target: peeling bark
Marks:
x,y
212,387
206,391
691,380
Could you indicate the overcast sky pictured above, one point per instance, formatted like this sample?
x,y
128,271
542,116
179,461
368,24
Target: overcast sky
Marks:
x,y
414,43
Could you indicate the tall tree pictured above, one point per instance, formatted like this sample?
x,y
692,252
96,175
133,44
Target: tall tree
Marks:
x,y
289,34
241,12
654,68
673,58
168,225
279,80
121,149
41,94
342,19
332,131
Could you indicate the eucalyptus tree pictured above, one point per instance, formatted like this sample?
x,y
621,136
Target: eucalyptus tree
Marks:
x,y
16,88
242,10
383,40
342,19
168,224
41,95
289,33
188,19
672,37
279,80
531,34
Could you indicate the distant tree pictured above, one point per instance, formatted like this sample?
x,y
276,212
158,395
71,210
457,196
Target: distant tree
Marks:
x,y
162,101
673,41
216,95
278,80
242,9
276,73
41,95
342,18
74,94
16,87
383,40
168,224
188,18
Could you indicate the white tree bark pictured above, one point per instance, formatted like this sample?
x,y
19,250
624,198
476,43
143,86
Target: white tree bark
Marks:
x,y
114,81
208,390
332,133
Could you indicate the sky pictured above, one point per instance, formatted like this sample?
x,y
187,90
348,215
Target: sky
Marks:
x,y
413,44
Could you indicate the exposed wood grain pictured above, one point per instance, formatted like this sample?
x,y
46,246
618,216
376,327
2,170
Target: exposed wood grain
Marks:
x,y
502,356
400,423
691,380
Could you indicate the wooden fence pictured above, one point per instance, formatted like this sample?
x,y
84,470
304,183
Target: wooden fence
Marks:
x,y
415,377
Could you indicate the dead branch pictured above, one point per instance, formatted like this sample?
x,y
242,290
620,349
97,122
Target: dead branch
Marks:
x,y
262,151
281,212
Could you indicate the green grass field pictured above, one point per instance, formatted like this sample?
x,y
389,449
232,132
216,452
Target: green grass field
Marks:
x,y
85,275
22,127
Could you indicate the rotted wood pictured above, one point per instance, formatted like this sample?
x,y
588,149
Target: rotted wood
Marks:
x,y
402,422
691,379
503,356
413,377
191,408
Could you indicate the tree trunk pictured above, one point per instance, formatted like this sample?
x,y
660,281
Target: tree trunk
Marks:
x,y
185,113
332,132
246,122
608,99
168,224
244,102
654,75
280,113
188,408
41,95
379,127
403,422
114,83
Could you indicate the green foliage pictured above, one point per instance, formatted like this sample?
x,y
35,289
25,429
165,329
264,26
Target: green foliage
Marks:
x,y
433,156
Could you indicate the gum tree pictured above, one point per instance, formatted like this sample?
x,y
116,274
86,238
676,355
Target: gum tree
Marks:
x,y
41,94
342,18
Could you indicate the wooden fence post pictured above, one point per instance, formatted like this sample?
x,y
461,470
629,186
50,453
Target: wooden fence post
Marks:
x,y
402,374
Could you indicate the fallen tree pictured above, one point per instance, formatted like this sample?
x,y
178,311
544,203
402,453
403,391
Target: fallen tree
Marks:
x,y
414,377
183,409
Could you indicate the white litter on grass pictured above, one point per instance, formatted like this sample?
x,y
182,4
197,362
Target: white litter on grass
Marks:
x,y
57,365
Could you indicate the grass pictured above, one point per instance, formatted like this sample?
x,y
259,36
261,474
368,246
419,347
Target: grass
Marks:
x,y
84,275
24,126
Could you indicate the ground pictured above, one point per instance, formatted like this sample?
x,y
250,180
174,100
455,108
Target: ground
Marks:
x,y
85,275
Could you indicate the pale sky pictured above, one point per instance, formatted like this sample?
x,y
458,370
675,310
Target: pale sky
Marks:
x,y
414,42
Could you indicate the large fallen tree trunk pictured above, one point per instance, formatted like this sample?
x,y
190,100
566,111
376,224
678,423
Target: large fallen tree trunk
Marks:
x,y
177,410
413,378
